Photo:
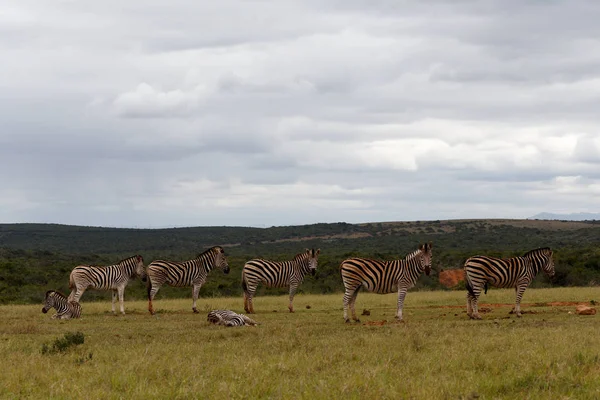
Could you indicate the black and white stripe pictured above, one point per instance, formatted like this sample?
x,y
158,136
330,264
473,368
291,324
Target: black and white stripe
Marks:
x,y
111,277
516,272
65,309
277,274
383,277
229,318
184,274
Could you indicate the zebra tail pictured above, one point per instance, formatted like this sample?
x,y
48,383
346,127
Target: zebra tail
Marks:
x,y
71,281
485,286
468,284
244,285
469,287
149,286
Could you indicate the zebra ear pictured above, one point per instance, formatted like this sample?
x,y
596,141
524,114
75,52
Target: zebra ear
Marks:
x,y
421,246
430,245
318,251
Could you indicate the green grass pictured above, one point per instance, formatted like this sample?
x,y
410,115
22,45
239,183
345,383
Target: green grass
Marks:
x,y
436,354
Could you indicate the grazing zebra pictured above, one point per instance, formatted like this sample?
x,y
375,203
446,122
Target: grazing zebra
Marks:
x,y
516,272
229,318
383,277
111,277
277,274
184,274
65,309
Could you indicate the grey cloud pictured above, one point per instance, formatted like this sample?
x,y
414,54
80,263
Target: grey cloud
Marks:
x,y
256,113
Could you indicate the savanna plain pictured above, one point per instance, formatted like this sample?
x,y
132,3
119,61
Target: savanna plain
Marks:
x,y
436,353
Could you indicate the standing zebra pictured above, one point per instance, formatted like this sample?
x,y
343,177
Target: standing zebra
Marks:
x,y
229,318
277,274
184,274
517,272
383,277
111,277
65,309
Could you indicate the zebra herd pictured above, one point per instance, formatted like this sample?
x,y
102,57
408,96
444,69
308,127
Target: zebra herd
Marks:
x,y
372,275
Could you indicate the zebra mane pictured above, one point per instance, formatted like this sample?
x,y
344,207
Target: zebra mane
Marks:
x,y
57,292
217,249
123,261
300,256
538,250
412,255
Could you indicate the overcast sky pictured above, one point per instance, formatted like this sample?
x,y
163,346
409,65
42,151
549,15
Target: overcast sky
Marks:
x,y
147,113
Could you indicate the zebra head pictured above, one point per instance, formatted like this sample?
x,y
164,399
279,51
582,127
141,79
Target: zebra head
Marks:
x,y
221,260
547,262
426,256
313,260
140,269
48,301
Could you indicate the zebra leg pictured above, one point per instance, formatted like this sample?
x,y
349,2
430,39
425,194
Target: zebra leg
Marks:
x,y
76,293
475,313
152,290
401,296
249,321
195,292
349,295
469,305
520,289
248,295
293,289
352,305
121,292
114,299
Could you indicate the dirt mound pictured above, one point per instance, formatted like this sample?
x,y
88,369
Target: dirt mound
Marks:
x,y
451,277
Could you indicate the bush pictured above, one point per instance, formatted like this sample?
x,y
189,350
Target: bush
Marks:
x,y
61,345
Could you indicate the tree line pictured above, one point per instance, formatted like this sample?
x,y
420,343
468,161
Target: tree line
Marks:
x,y
37,257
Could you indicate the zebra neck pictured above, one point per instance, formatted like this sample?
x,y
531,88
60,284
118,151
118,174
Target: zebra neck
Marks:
x,y
205,264
303,266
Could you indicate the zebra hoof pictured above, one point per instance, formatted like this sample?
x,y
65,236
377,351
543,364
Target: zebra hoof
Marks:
x,y
195,310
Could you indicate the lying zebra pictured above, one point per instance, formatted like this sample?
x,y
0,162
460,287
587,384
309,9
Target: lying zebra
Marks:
x,y
229,318
65,309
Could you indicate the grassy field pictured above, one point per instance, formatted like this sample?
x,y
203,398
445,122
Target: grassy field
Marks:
x,y
437,353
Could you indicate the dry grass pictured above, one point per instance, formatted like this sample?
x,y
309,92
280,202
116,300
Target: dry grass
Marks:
x,y
436,354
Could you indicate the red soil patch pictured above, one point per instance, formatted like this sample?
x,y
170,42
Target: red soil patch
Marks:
x,y
451,277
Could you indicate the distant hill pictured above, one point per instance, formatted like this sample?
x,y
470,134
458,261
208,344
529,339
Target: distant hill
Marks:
x,y
568,217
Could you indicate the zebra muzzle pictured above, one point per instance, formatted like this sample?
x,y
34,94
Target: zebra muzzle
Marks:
x,y
44,310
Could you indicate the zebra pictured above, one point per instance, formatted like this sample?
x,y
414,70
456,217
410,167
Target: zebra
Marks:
x,y
229,318
383,277
111,277
277,274
184,274
516,272
65,309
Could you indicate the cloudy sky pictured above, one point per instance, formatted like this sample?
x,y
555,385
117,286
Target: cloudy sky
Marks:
x,y
147,113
